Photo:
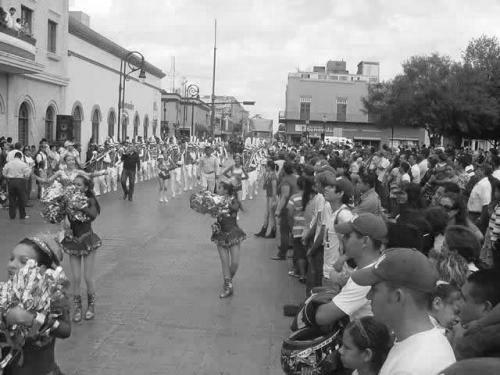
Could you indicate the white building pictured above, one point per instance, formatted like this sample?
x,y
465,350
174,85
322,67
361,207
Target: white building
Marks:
x,y
60,66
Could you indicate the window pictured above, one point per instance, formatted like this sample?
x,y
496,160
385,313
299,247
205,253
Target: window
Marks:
x,y
52,37
305,111
77,124
96,119
136,126
111,123
27,19
341,109
49,124
146,126
22,129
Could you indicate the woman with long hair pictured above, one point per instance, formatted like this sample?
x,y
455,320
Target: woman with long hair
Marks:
x,y
271,187
163,177
227,235
80,243
455,206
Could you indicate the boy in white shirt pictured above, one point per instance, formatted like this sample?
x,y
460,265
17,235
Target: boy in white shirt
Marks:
x,y
401,285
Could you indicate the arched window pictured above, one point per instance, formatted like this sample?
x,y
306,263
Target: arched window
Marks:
x,y
136,125
23,124
77,124
111,123
96,119
155,127
124,127
49,124
146,126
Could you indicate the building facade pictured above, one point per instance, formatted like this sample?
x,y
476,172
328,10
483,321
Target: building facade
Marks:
x,y
261,128
184,116
329,102
59,80
230,116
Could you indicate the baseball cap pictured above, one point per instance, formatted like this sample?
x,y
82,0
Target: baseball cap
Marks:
x,y
404,267
365,223
342,183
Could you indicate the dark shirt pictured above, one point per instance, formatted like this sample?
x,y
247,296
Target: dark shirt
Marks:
x,y
131,161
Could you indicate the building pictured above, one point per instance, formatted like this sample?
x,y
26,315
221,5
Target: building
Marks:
x,y
329,101
230,116
184,116
59,80
261,128
33,70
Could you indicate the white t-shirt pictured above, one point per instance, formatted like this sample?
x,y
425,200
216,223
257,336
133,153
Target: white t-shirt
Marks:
x,y
423,166
352,299
415,173
496,174
383,164
405,178
424,353
332,242
480,196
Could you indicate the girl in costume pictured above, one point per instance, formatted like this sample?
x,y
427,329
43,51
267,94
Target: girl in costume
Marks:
x,y
228,236
163,177
38,351
67,175
80,243
236,174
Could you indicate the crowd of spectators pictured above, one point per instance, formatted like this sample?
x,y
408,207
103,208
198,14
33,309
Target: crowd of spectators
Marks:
x,y
408,235
11,21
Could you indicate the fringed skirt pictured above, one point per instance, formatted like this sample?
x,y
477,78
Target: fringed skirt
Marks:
x,y
81,246
228,236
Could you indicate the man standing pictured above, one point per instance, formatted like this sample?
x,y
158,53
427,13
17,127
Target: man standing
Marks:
x,y
17,172
41,164
369,200
131,164
208,169
189,160
480,198
415,169
402,282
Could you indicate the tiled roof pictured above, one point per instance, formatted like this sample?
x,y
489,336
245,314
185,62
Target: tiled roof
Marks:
x,y
85,33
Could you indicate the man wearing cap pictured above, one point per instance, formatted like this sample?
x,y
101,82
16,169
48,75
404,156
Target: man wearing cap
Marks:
x,y
402,282
208,170
362,240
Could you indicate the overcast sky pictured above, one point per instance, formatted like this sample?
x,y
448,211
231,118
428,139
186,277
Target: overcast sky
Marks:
x,y
260,41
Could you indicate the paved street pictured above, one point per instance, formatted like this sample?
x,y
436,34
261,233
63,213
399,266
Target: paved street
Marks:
x,y
158,279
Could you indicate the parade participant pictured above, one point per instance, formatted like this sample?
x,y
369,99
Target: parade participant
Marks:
x,y
208,168
28,159
98,165
109,161
228,236
190,159
176,161
38,352
69,149
271,188
42,164
163,177
131,164
365,344
80,243
17,172
67,175
402,282
236,174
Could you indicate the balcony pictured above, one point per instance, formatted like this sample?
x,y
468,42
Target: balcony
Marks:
x,y
17,53
320,117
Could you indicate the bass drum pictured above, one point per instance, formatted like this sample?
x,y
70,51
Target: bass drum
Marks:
x,y
312,352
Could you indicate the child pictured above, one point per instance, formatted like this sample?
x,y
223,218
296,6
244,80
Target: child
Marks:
x,y
80,243
38,352
163,177
365,345
445,306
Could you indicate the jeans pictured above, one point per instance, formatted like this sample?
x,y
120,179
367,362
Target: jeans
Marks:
x,y
17,197
284,233
130,175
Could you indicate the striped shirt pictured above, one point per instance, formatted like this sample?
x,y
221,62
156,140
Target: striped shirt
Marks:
x,y
299,221
495,224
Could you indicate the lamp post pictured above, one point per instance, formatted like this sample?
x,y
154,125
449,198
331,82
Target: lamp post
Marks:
x,y
192,92
134,61
324,127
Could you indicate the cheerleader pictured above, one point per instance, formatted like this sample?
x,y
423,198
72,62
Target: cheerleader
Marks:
x,y
163,177
80,243
236,174
39,351
227,235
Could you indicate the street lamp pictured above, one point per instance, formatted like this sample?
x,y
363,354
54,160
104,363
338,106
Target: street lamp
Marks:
x,y
324,127
134,61
192,92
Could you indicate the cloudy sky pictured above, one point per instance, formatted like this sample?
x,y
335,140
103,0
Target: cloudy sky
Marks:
x,y
260,41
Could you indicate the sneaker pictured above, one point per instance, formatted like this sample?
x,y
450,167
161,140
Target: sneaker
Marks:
x,y
26,217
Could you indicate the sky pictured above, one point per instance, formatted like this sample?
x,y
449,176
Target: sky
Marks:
x,y
260,41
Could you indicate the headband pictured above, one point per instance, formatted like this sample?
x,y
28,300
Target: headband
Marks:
x,y
55,255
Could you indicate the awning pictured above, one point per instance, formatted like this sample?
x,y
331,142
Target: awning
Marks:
x,y
367,138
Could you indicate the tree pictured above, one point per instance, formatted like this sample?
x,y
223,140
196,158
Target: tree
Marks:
x,y
458,99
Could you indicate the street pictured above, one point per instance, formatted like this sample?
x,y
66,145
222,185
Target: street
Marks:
x,y
158,279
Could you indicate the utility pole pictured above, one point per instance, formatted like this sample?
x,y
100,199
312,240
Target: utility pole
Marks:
x,y
212,115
